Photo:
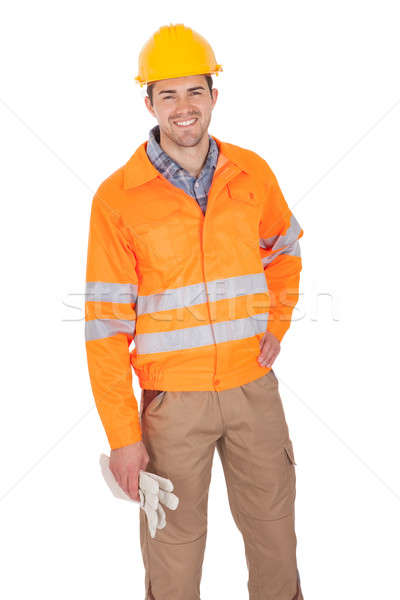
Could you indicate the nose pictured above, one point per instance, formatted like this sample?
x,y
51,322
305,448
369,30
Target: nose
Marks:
x,y
183,109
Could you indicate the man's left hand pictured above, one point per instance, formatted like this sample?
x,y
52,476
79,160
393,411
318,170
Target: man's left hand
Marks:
x,y
270,348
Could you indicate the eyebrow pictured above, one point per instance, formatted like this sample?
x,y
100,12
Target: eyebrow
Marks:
x,y
198,87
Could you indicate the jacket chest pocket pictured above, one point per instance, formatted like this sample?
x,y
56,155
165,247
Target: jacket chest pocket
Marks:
x,y
245,207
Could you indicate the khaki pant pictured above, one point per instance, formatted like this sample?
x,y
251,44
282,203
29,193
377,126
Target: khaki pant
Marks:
x,y
247,425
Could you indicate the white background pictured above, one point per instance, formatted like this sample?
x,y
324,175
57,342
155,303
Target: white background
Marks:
x,y
311,86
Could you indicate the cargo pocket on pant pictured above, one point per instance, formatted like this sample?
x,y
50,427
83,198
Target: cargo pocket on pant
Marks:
x,y
267,489
288,448
289,452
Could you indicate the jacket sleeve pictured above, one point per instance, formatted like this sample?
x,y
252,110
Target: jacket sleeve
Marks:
x,y
280,253
110,323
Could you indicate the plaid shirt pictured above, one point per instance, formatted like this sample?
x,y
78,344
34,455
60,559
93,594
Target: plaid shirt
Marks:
x,y
197,187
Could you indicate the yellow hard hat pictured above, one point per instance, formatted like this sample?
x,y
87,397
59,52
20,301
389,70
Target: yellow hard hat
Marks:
x,y
175,51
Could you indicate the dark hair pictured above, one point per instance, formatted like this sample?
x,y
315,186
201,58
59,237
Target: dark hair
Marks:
x,y
151,85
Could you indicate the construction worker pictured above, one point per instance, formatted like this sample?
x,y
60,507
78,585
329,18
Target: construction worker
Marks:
x,y
194,260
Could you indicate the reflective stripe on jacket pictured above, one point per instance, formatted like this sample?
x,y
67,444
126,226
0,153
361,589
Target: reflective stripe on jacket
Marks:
x,y
193,292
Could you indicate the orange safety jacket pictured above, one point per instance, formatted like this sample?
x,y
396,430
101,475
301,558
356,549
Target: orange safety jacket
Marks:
x,y
194,293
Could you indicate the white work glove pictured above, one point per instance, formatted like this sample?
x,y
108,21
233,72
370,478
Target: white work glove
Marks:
x,y
153,489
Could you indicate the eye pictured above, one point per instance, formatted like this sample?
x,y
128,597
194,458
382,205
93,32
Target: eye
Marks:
x,y
195,92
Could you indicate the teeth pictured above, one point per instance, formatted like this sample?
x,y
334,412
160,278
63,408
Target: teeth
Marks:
x,y
185,122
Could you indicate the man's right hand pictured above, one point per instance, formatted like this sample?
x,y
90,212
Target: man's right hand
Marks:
x,y
125,465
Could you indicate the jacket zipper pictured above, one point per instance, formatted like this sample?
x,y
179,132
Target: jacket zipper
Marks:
x,y
203,218
204,277
208,296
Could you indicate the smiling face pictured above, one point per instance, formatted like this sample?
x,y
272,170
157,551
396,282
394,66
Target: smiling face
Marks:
x,y
183,107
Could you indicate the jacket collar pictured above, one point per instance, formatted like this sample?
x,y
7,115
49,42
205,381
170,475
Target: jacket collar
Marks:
x,y
139,169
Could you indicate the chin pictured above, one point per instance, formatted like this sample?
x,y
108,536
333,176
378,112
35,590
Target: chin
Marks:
x,y
188,143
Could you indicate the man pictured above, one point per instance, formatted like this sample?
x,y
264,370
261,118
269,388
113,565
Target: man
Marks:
x,y
194,255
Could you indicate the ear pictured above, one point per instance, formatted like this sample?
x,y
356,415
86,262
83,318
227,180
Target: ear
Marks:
x,y
214,96
149,106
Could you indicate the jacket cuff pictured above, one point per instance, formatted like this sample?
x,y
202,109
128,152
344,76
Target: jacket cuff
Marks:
x,y
124,436
278,328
